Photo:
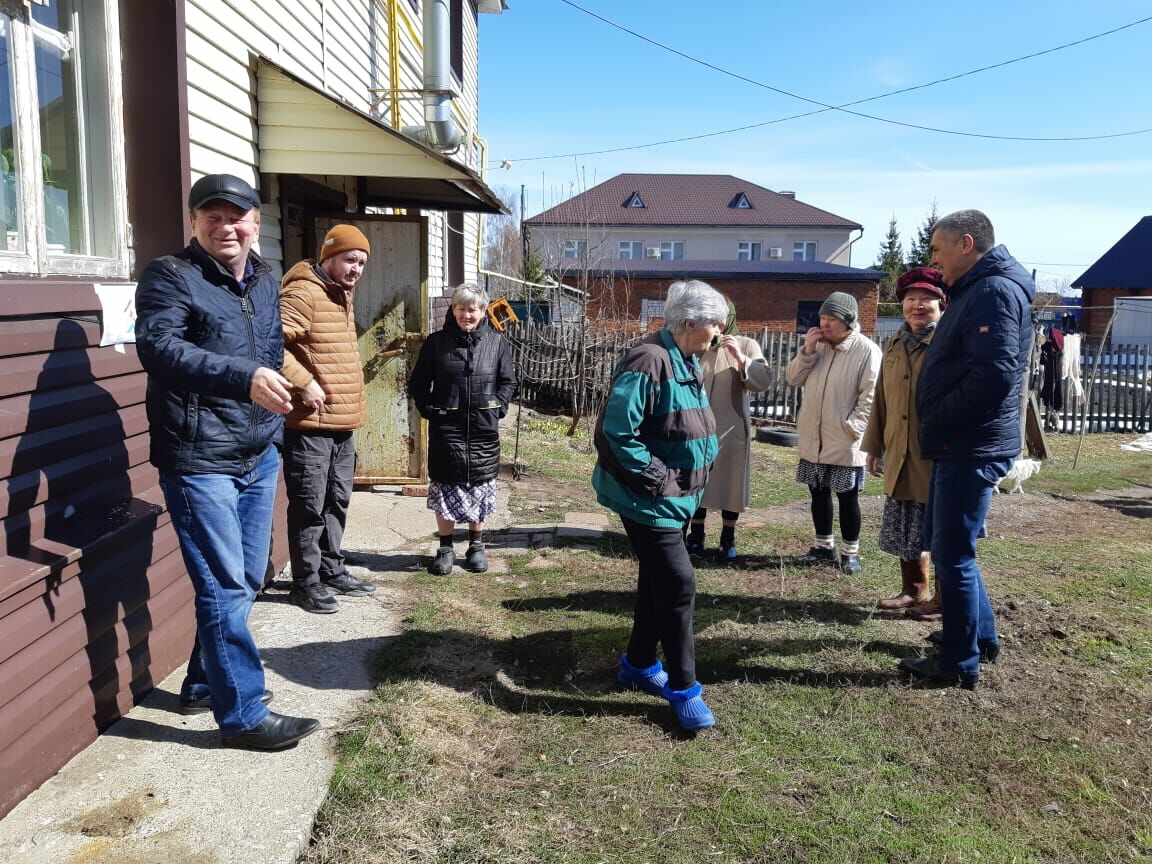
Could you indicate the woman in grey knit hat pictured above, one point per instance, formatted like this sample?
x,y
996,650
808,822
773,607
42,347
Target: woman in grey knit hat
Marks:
x,y
837,366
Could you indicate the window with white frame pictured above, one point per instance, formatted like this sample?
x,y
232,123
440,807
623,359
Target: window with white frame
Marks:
x,y
804,250
62,200
672,250
575,249
630,250
748,251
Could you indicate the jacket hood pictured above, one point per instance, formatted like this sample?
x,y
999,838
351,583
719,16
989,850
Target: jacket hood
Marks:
x,y
998,262
452,327
308,271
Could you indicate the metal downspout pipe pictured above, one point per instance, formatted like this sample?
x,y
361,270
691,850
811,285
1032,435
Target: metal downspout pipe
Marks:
x,y
439,130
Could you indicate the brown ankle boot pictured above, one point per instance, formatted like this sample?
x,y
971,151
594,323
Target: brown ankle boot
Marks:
x,y
913,586
929,610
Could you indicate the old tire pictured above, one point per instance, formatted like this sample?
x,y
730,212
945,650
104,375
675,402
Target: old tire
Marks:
x,y
779,437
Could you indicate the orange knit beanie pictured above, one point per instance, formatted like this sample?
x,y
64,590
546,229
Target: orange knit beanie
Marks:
x,y
343,238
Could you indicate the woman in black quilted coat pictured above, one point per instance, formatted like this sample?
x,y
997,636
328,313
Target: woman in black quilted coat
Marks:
x,y
462,384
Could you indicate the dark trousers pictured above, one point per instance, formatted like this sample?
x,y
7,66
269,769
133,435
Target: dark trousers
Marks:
x,y
665,602
318,472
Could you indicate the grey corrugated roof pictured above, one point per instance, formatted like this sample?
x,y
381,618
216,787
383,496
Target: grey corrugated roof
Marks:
x,y
1127,265
778,270
687,199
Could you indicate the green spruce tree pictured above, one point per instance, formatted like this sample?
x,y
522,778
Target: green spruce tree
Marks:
x,y
920,252
891,261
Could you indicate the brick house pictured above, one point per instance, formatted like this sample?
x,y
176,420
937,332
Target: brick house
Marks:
x,y
1125,270
625,240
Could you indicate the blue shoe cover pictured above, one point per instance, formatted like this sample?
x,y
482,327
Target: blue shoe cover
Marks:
x,y
689,708
650,680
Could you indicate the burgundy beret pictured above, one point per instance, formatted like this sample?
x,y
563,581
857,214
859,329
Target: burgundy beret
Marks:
x,y
926,279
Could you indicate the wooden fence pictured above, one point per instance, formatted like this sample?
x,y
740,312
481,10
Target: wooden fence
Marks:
x,y
550,371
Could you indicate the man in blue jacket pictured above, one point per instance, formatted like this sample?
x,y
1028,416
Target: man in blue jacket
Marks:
x,y
208,334
969,399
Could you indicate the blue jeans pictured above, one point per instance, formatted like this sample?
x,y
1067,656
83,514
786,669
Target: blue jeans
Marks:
x,y
958,499
224,525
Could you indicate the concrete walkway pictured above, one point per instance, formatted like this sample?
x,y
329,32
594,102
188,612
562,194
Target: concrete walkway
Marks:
x,y
157,788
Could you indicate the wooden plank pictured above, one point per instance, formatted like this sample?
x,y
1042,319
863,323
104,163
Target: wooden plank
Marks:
x,y
39,372
34,451
48,297
30,412
42,335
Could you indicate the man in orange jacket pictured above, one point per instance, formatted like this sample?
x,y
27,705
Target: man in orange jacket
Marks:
x,y
322,360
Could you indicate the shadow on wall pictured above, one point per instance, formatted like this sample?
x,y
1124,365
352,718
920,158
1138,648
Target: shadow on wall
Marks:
x,y
72,477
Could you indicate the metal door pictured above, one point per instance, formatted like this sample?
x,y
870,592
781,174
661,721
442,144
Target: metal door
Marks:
x,y
390,323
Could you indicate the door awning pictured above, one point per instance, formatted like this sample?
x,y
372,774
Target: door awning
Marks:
x,y
305,131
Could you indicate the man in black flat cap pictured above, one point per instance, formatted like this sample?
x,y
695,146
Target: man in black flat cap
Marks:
x,y
208,334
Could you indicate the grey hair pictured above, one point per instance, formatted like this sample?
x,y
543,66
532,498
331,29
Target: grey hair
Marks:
x,y
469,293
695,301
971,222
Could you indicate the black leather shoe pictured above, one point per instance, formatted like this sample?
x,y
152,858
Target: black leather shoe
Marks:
x,y
850,564
817,555
275,732
989,651
475,561
929,669
442,564
204,703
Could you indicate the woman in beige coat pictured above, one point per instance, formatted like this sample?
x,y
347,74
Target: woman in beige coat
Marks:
x,y
892,441
837,366
733,369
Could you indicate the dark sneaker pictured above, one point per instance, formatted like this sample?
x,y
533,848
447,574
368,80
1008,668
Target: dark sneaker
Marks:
x,y
850,564
204,703
818,555
475,561
442,564
694,547
348,585
989,651
928,670
314,598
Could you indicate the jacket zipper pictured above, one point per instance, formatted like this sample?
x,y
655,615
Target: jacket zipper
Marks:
x,y
249,314
823,393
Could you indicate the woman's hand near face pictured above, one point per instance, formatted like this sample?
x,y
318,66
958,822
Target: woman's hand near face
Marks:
x,y
732,345
811,338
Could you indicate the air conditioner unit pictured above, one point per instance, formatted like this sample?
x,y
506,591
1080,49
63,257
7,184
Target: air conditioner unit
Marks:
x,y
652,252
775,252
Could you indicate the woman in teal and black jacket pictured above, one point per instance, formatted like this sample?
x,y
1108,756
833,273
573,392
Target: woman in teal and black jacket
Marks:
x,y
656,440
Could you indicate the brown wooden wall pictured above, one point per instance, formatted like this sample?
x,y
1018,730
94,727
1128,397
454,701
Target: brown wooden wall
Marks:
x,y
1097,306
94,604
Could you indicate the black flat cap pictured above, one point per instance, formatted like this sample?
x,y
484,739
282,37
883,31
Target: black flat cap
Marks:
x,y
223,187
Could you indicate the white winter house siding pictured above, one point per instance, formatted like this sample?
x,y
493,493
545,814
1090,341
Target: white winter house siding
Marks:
x,y
330,45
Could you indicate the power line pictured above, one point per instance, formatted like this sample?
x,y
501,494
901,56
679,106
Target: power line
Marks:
x,y
844,107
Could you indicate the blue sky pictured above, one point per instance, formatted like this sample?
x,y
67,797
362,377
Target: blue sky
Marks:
x,y
555,80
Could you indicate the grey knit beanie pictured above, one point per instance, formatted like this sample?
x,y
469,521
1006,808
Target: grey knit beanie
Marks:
x,y
842,306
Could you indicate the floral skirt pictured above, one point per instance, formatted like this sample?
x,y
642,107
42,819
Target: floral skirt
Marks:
x,y
900,529
835,478
462,503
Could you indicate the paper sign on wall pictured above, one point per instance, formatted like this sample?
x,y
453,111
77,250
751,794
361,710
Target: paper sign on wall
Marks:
x,y
118,303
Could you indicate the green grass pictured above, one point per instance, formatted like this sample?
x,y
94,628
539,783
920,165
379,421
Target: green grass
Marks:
x,y
496,734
